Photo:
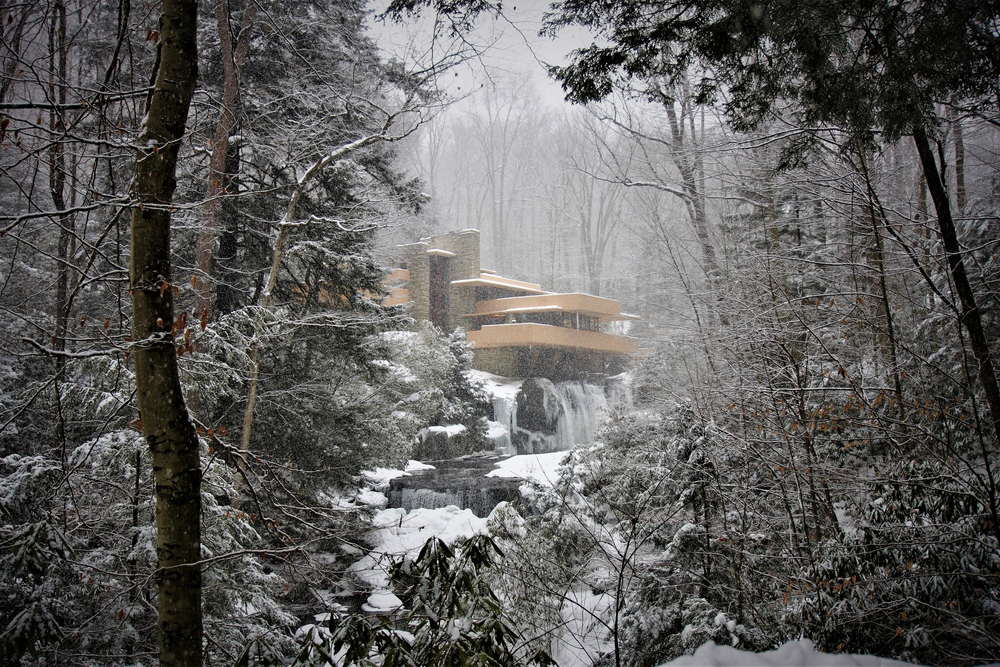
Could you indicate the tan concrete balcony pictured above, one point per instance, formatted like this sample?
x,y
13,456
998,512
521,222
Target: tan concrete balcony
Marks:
x,y
575,302
527,334
492,280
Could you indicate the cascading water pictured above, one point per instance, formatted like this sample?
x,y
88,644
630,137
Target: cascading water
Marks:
x,y
557,417
580,409
504,423
534,416
553,417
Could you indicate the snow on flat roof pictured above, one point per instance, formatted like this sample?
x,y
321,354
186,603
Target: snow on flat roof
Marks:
x,y
440,253
497,281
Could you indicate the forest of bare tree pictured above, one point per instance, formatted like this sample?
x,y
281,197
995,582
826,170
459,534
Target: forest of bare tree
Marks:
x,y
200,376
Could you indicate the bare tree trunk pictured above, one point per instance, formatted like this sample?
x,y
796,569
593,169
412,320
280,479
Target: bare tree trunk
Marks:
x,y
688,167
232,61
169,432
13,41
57,187
956,125
971,318
227,296
922,202
876,253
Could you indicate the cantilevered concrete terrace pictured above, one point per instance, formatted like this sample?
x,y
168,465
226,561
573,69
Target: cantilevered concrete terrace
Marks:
x,y
516,327
530,334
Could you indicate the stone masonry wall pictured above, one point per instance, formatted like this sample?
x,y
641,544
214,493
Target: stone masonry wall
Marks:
x,y
419,285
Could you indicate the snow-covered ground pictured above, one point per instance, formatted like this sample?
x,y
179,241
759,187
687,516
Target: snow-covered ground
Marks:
x,y
799,653
397,532
378,479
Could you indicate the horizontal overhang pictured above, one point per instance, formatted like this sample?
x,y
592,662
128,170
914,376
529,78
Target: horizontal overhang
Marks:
x,y
514,311
438,252
528,334
499,282
575,302
624,317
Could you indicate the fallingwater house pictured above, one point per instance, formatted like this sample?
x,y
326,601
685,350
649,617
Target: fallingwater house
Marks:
x,y
516,328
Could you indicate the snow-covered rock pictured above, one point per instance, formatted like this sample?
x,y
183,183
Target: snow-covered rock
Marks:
x,y
539,468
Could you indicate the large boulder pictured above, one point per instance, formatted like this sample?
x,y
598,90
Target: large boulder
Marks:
x,y
537,408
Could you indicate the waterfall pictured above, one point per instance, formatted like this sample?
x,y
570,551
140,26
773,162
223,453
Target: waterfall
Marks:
x,y
533,416
537,416
581,408
559,416
504,423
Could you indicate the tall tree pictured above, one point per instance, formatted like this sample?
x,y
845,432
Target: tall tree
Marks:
x,y
233,59
169,432
880,72
595,199
504,122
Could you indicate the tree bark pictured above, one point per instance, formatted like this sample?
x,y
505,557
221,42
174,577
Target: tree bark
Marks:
x,y
876,254
232,61
228,295
971,317
956,125
57,186
12,40
169,432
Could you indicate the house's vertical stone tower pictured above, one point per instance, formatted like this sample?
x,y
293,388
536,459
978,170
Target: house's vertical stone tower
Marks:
x,y
417,262
465,266
434,263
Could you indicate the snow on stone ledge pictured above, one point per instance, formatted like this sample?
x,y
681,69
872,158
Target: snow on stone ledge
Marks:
x,y
495,430
451,430
371,498
495,385
398,533
381,601
379,478
540,468
799,653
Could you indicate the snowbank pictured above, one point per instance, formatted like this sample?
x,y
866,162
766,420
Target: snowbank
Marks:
x,y
451,430
381,602
540,468
496,386
398,533
792,654
379,478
